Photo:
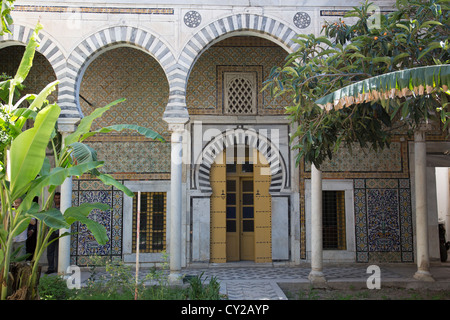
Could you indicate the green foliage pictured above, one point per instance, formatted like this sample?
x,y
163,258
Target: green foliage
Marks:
x,y
198,290
26,171
118,282
416,34
5,14
54,287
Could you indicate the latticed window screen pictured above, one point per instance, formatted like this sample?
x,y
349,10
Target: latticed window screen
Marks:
x,y
333,208
152,237
240,93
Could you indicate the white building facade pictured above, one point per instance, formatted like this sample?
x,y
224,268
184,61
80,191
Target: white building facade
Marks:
x,y
194,73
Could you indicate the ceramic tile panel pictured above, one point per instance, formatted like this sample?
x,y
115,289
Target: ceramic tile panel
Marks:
x,y
131,74
132,156
364,160
204,92
383,221
83,244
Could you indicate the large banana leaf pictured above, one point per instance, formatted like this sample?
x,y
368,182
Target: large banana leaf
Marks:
x,y
27,59
81,213
85,124
409,82
28,150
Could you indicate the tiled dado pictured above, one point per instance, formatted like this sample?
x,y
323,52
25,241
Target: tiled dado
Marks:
x,y
131,158
383,220
83,244
388,163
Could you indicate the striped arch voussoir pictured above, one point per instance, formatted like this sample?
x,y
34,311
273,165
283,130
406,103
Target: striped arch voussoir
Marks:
x,y
240,137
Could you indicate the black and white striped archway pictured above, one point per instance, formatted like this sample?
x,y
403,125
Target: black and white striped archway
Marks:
x,y
94,45
240,136
48,47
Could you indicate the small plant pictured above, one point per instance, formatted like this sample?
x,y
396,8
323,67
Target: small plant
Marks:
x,y
198,290
309,294
53,288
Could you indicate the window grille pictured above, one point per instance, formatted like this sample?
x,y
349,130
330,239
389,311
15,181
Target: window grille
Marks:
x,y
333,208
240,93
152,236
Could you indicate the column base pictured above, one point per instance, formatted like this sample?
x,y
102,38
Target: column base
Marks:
x,y
423,276
317,278
175,278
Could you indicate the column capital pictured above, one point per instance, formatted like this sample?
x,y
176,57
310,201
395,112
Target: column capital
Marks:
x,y
67,125
176,124
421,129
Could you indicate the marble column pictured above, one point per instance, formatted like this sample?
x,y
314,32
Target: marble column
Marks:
x,y
316,275
65,127
420,171
176,170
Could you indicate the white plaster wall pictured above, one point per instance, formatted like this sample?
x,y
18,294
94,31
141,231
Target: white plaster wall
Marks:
x,y
442,192
68,29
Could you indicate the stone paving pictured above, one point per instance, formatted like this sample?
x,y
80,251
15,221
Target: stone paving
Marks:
x,y
251,282
261,283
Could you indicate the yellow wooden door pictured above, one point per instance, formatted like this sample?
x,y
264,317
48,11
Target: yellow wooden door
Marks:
x,y
233,217
263,210
241,211
218,210
247,223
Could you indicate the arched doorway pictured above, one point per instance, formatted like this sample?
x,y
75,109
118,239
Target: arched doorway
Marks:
x,y
240,206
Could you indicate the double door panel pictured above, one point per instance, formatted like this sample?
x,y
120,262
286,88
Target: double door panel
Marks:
x,y
240,216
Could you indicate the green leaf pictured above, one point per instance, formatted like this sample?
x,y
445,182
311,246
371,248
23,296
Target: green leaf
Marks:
x,y
432,46
83,153
22,225
80,214
148,133
110,181
85,124
430,23
28,150
400,56
42,96
55,178
28,56
83,209
53,218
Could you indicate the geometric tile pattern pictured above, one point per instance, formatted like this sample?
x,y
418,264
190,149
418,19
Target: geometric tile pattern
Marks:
x,y
83,245
383,220
358,160
131,74
203,93
285,273
199,42
47,47
101,42
133,157
41,73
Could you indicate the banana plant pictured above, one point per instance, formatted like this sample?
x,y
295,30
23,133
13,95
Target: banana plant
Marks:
x,y
27,173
